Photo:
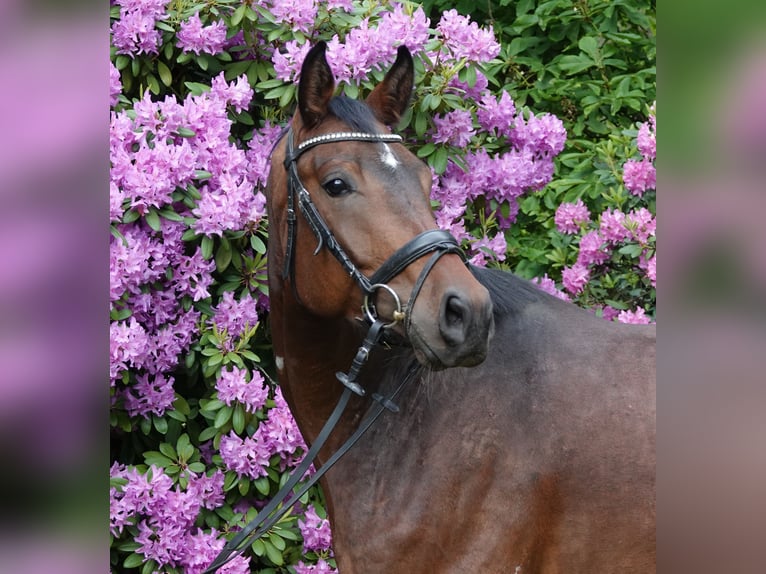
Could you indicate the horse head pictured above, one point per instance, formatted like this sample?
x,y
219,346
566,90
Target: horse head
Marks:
x,y
340,168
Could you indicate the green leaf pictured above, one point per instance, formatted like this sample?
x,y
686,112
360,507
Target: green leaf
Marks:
x,y
273,554
439,159
186,132
196,88
239,13
426,150
277,541
262,485
207,247
153,219
589,45
164,72
121,62
154,85
152,457
168,450
184,447
574,64
223,417
258,547
120,314
160,423
170,215
134,560
238,419
287,97
223,256
257,244
207,434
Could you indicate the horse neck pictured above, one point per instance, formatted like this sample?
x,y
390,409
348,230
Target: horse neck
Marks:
x,y
311,350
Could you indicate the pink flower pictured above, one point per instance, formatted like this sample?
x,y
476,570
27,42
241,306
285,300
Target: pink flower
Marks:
x,y
151,394
650,267
612,226
298,14
496,116
115,85
455,127
592,249
639,176
321,567
641,224
232,385
315,531
193,37
575,278
547,284
609,313
637,317
570,216
465,39
494,248
134,33
647,141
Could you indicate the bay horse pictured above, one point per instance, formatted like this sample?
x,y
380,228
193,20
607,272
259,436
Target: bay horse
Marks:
x,y
525,440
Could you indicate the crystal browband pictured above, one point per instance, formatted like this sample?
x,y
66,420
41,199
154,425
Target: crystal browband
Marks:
x,y
343,136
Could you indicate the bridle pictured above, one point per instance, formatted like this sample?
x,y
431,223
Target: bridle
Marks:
x,y
438,241
434,241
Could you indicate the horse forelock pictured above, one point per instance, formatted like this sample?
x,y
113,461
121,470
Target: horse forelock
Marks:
x,y
356,114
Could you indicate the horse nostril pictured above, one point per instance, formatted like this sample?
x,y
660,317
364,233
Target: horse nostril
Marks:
x,y
453,319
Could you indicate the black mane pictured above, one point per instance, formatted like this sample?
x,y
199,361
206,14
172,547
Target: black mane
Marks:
x,y
509,293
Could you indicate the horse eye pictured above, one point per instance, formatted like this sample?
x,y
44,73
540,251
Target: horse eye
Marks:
x,y
336,187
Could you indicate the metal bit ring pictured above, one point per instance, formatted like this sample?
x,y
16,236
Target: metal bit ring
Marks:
x,y
369,310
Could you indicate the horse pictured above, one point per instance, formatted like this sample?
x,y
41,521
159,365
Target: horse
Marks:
x,y
525,437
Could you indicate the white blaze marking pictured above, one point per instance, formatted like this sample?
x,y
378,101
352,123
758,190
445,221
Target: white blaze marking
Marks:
x,y
388,157
280,363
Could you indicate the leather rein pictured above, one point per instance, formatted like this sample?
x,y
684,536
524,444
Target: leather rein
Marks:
x,y
434,241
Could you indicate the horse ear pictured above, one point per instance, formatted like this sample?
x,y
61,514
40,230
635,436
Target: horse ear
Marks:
x,y
390,98
316,86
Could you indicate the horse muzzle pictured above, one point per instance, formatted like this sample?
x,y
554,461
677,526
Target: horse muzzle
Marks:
x,y
457,333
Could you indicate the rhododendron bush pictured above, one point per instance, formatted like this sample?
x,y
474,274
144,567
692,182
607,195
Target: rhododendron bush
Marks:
x,y
200,92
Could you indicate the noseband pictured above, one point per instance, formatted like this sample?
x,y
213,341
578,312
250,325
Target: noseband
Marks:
x,y
436,241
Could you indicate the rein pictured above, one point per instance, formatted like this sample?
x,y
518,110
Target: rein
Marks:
x,y
434,241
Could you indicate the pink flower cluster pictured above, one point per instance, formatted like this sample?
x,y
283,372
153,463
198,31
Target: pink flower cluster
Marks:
x,y
505,177
164,516
152,270
277,435
640,175
464,39
370,45
232,386
115,85
615,229
321,567
134,33
315,531
570,217
194,37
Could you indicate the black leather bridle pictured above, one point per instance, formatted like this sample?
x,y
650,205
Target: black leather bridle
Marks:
x,y
434,241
